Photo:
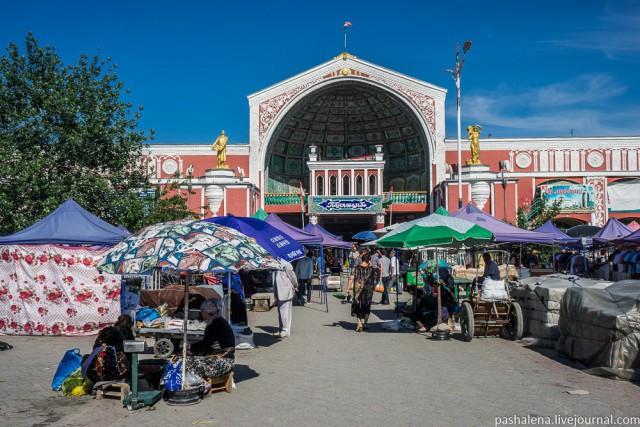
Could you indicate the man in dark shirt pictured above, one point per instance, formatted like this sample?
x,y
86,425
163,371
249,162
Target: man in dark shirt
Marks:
x,y
491,269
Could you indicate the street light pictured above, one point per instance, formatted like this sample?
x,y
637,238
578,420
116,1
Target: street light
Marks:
x,y
504,165
455,73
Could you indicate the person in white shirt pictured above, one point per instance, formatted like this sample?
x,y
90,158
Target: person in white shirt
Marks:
x,y
285,286
395,273
304,271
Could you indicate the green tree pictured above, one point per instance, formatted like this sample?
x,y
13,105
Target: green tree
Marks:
x,y
67,132
540,211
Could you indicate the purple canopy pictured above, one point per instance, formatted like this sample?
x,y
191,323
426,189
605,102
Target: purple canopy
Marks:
x,y
612,230
322,230
504,233
558,236
633,238
327,240
277,242
299,235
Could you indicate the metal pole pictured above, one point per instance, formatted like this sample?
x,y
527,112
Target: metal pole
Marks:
x,y
504,189
459,142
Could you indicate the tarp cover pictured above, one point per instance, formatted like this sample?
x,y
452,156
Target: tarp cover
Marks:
x,y
173,296
300,236
503,232
70,224
600,328
55,290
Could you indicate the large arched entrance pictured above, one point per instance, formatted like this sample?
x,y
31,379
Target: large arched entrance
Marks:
x,y
345,120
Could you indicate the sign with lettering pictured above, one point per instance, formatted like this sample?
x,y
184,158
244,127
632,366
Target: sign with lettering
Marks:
x,y
574,197
345,204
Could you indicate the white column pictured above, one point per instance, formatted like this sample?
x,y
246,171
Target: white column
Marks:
x,y
340,183
365,183
379,181
352,181
224,200
327,184
493,199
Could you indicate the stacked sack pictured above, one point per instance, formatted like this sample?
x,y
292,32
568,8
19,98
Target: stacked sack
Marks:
x,y
541,297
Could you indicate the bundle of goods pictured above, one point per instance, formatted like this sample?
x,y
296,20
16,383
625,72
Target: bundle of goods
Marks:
x,y
541,297
600,328
471,273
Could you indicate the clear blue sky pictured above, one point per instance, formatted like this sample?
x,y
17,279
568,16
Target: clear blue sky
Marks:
x,y
536,68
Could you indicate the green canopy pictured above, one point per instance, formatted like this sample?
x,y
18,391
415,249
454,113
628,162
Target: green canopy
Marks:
x,y
260,214
442,211
436,230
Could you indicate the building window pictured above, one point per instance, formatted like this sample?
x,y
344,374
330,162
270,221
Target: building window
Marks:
x,y
345,185
359,186
333,185
320,185
373,189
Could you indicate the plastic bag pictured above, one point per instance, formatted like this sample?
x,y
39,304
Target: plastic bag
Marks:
x,y
173,376
392,325
194,380
147,314
493,289
70,362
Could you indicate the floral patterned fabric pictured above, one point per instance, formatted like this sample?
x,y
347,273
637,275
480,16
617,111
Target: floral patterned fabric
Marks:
x,y
55,290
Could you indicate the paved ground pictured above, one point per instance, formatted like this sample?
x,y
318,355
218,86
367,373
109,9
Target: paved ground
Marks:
x,y
326,374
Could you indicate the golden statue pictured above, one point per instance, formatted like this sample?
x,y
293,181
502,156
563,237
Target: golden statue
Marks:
x,y
220,145
474,137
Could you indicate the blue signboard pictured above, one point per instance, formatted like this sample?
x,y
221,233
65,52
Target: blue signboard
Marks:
x,y
345,204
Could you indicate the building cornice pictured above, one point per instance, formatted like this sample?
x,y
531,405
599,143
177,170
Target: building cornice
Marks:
x,y
550,143
203,149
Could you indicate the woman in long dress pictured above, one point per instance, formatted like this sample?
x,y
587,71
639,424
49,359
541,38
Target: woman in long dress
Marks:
x,y
205,360
363,282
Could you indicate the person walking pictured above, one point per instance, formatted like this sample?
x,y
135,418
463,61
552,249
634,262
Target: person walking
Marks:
x,y
385,270
395,273
353,256
286,284
304,272
363,281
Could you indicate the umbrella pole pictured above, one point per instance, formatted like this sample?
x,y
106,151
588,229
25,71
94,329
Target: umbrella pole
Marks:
x,y
227,300
396,274
184,330
439,291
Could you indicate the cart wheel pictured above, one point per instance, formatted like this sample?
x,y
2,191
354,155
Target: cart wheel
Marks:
x,y
163,348
515,328
466,321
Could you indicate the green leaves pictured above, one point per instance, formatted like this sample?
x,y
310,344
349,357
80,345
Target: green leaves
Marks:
x,y
65,132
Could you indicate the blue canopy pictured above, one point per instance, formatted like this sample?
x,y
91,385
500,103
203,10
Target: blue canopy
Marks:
x,y
612,230
70,224
299,235
275,241
365,235
322,230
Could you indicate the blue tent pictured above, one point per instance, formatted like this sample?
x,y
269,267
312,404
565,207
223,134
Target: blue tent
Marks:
x,y
70,224
277,242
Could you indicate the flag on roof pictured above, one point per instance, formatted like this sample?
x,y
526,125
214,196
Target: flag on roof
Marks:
x,y
347,24
386,200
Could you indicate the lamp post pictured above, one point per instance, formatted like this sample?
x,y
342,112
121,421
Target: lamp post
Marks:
x,y
504,164
189,186
455,73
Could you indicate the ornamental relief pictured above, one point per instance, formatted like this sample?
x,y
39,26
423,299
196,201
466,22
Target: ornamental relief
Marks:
x,y
599,202
270,108
523,160
425,104
595,159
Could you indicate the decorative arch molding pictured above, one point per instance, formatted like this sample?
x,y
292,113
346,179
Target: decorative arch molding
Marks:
x,y
422,101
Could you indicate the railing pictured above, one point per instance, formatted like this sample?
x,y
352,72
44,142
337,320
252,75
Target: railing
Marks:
x,y
282,199
400,197
406,197
532,210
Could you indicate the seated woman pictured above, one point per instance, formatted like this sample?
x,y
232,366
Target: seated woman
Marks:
x,y
202,358
108,361
425,313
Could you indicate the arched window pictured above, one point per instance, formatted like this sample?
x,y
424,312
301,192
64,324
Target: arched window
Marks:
x,y
373,189
359,185
320,185
345,185
333,185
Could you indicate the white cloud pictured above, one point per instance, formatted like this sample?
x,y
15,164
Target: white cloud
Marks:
x,y
580,104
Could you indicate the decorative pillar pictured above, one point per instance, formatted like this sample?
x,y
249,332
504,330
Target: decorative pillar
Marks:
x,y
379,221
313,219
